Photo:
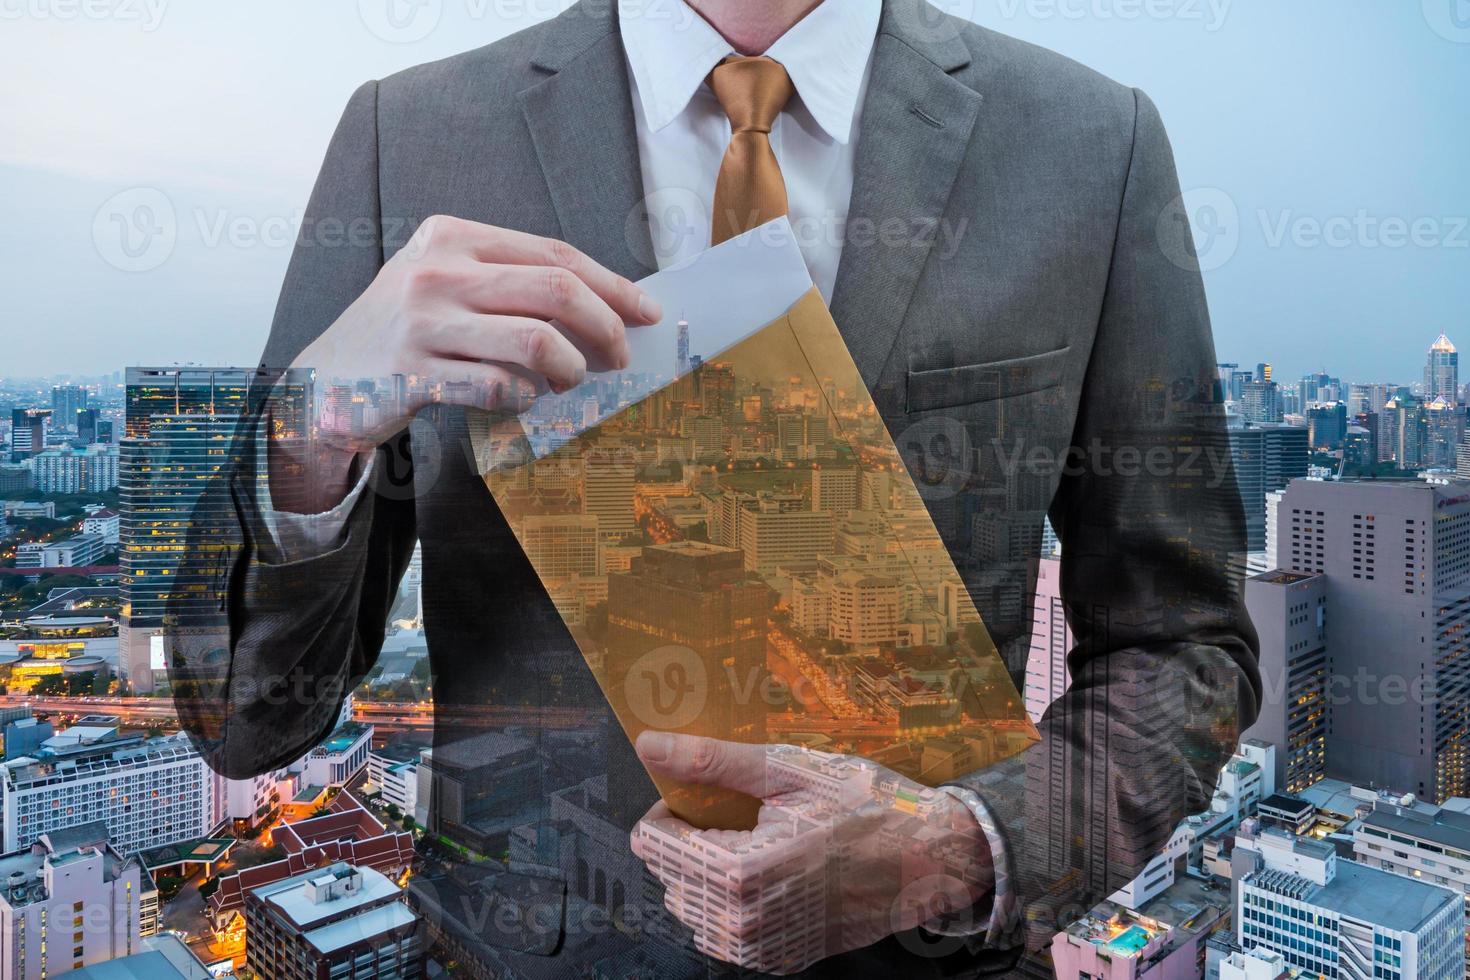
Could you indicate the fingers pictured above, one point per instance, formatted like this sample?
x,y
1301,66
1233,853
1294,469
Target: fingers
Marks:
x,y
711,762
505,246
550,293
526,342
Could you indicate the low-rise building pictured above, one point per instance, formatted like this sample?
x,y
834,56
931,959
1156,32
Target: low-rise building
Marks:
x,y
332,922
339,757
78,552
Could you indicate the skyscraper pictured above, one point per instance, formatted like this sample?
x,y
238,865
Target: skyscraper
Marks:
x,y
87,430
1442,373
683,351
1260,402
1266,458
179,431
607,493
66,402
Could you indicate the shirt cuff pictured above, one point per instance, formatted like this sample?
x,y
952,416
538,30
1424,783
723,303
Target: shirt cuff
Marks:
x,y
294,537
1002,902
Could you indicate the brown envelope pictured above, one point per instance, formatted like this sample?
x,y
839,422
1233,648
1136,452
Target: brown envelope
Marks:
x,y
744,555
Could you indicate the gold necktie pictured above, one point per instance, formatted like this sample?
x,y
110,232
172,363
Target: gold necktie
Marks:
x,y
750,190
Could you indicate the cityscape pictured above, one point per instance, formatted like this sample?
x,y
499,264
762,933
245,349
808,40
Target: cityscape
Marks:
x,y
1337,843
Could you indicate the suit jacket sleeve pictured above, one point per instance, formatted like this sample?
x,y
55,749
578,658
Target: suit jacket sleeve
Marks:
x,y
262,680
1164,672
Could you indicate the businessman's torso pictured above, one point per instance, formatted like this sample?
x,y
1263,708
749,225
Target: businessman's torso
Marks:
x,y
979,245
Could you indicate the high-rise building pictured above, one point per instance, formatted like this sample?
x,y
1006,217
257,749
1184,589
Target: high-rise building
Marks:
x,y
1289,611
67,902
335,922
87,420
698,598
561,546
863,609
1403,433
1260,402
1266,458
1367,398
607,493
1396,556
147,791
179,432
1229,385
28,428
1318,389
1327,426
1335,918
682,352
1444,430
66,402
835,489
1442,373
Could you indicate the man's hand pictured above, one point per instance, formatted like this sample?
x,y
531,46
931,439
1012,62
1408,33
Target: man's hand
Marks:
x,y
508,313
845,853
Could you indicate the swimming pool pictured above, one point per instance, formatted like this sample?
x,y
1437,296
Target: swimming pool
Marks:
x,y
1129,942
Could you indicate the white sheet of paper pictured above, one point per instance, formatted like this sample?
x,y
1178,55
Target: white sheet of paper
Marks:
x,y
724,294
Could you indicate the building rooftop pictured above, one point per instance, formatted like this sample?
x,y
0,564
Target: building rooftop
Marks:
x,y
164,957
1281,576
1283,803
1177,915
373,922
22,873
346,735
291,896
1357,891
1445,827
477,751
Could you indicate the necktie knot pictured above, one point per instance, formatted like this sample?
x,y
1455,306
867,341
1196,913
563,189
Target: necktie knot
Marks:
x,y
752,91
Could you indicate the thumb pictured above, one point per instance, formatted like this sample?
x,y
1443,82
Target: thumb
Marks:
x,y
710,762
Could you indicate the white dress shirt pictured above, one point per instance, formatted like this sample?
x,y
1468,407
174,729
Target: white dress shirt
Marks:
x,y
682,136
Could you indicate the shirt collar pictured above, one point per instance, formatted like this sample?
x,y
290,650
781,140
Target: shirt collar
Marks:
x,y
671,50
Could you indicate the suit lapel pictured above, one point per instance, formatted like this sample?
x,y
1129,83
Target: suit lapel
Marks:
x,y
915,128
582,127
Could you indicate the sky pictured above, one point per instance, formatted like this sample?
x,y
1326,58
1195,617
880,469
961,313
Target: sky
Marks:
x,y
1323,144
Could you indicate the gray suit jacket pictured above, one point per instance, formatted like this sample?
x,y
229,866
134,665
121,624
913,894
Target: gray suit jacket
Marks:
x,y
1050,354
